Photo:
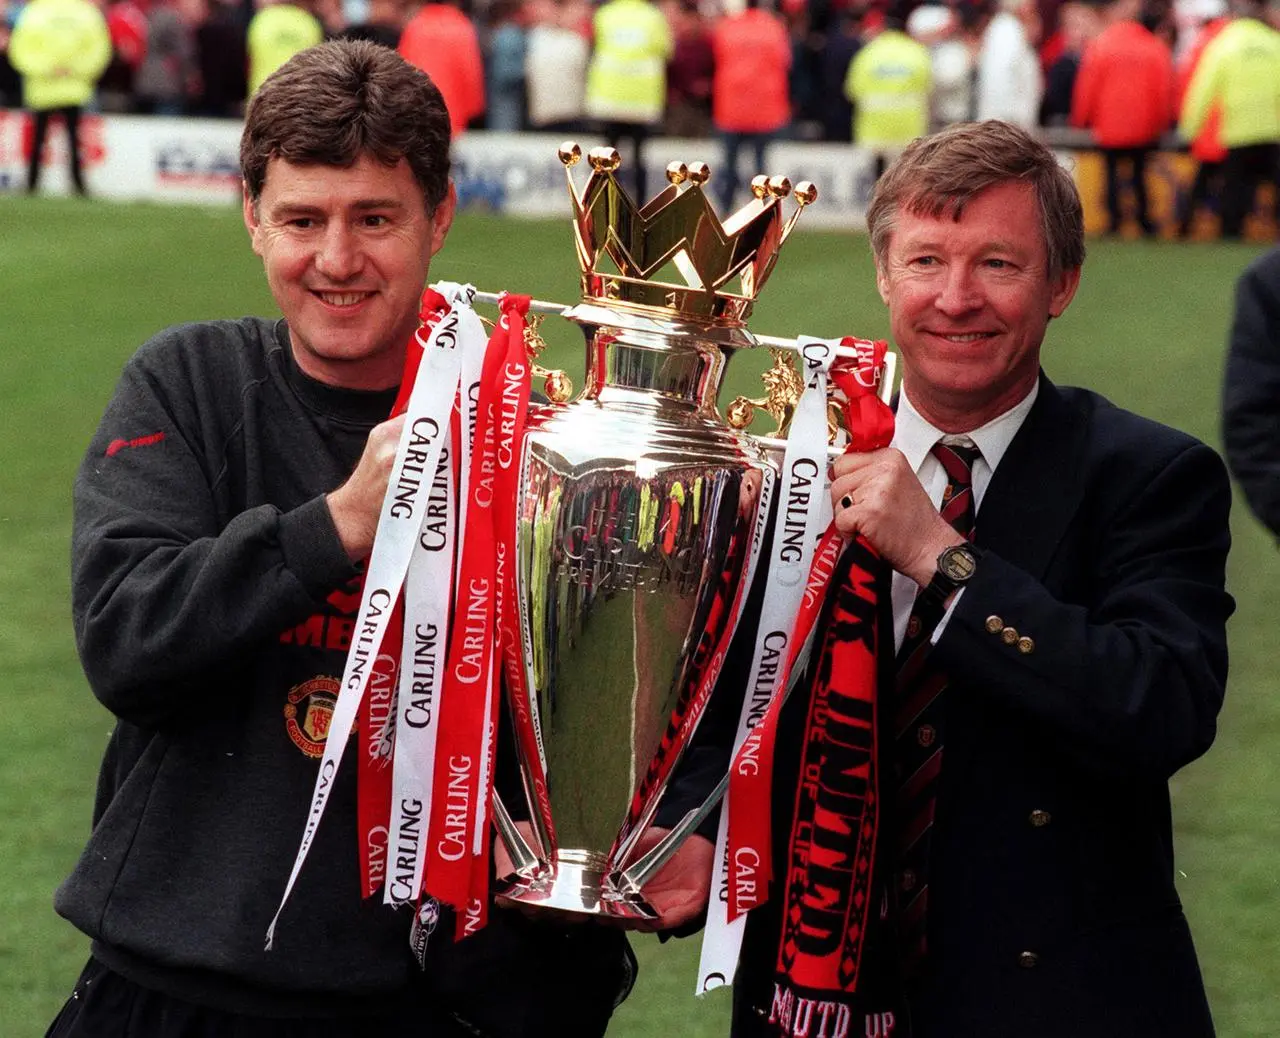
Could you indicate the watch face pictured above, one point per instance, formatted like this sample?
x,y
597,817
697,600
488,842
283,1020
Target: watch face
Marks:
x,y
957,563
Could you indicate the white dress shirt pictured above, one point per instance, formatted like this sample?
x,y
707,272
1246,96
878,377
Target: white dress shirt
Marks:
x,y
915,438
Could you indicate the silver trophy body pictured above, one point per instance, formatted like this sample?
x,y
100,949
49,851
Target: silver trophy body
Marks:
x,y
637,503
637,509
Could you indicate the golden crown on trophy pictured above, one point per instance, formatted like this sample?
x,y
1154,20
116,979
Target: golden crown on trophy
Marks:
x,y
626,250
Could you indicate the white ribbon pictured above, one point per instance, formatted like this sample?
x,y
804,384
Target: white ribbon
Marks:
x,y
427,600
403,508
804,509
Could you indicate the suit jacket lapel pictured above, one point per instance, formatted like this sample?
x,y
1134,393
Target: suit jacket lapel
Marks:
x,y
1024,515
1034,493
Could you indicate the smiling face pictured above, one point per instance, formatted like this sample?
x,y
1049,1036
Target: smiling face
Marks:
x,y
968,302
347,253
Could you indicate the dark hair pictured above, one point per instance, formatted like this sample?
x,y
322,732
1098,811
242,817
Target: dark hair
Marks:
x,y
943,173
336,102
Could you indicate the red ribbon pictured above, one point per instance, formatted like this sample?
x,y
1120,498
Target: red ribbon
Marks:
x,y
870,427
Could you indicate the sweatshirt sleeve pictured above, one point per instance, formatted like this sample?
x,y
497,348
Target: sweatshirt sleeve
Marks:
x,y
170,585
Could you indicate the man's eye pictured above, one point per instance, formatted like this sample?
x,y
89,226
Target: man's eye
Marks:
x,y
924,261
374,220
302,223
998,264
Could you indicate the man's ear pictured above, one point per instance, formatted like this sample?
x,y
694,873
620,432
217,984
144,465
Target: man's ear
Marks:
x,y
1064,290
882,283
442,218
251,222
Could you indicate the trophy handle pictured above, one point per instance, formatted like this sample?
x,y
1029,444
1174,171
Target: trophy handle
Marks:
x,y
523,858
645,868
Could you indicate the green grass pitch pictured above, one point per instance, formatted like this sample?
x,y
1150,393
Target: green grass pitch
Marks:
x,y
83,284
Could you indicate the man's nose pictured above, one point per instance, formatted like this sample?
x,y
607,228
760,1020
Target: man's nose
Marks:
x,y
959,292
339,255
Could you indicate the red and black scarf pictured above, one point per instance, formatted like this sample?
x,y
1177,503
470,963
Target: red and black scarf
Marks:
x,y
835,973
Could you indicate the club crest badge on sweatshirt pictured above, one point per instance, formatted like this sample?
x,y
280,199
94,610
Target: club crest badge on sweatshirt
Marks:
x,y
308,711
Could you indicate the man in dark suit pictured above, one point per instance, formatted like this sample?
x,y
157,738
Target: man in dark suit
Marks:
x,y
1075,553
1251,389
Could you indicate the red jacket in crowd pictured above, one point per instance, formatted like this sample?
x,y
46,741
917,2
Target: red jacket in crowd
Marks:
x,y
1124,89
749,93
441,41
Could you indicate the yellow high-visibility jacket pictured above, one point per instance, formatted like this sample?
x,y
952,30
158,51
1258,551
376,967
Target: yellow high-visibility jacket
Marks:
x,y
60,48
1240,71
276,34
627,77
889,82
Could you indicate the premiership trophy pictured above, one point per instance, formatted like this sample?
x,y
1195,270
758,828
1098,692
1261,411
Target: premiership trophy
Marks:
x,y
639,509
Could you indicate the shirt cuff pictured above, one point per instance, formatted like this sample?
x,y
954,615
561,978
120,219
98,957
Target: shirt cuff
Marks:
x,y
942,624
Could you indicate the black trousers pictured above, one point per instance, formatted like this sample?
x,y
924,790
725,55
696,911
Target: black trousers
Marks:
x,y
1137,158
106,1005
733,143
71,117
1242,171
1206,188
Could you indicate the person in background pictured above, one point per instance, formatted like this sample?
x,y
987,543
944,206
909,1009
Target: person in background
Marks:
x,y
1206,148
1010,80
889,83
841,43
60,48
383,23
952,57
1251,390
504,67
689,72
127,24
627,78
1078,24
277,32
749,93
555,66
441,39
226,504
10,81
222,60
1239,74
807,104
1124,94
168,71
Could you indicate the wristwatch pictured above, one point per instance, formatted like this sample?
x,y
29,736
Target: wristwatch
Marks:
x,y
956,565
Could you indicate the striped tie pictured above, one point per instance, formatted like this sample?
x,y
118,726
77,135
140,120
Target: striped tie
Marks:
x,y
918,718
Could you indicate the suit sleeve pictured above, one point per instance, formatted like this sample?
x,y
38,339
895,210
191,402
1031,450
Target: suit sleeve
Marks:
x,y
1251,391
1127,680
167,592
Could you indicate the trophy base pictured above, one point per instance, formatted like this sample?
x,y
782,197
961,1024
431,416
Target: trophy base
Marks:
x,y
576,882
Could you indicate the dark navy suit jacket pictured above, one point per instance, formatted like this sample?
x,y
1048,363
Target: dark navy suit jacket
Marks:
x,y
1053,911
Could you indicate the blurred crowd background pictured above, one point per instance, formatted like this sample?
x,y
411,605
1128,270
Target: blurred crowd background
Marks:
x,y
1125,76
